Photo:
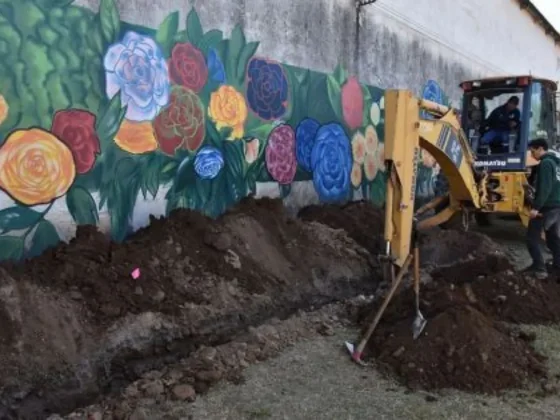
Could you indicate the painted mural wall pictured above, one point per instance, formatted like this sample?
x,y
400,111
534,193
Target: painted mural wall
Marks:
x,y
97,115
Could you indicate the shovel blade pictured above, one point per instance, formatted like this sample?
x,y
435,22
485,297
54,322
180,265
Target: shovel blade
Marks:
x,y
418,325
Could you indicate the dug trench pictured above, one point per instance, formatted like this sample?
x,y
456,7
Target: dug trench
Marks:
x,y
77,326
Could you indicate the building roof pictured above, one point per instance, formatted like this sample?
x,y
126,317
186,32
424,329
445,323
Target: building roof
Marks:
x,y
540,19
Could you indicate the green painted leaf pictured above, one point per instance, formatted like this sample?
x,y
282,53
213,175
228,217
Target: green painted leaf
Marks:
x,y
185,176
45,237
109,123
81,206
194,28
246,54
334,92
340,75
367,103
165,35
169,167
261,131
11,248
318,104
211,39
110,20
16,218
235,46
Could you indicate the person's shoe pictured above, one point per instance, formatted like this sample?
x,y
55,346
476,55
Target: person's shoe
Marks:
x,y
539,273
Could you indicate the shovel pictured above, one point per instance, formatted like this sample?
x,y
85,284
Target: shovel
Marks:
x,y
419,322
357,352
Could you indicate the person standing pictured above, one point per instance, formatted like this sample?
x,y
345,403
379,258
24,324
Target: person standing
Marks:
x,y
545,209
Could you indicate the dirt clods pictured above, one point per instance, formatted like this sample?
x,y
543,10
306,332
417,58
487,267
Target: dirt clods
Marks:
x,y
201,283
460,348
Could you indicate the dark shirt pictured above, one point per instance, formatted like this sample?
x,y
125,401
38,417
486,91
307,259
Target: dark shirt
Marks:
x,y
499,118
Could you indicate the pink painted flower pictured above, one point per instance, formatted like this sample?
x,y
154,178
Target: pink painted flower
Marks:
x,y
352,103
280,154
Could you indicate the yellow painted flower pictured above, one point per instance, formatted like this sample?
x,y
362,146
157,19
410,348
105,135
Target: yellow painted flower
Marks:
x,y
380,154
228,109
136,137
356,175
371,166
382,102
3,109
375,113
35,167
358,147
371,140
251,150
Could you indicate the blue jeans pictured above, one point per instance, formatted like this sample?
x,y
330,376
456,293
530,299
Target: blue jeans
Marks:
x,y
491,135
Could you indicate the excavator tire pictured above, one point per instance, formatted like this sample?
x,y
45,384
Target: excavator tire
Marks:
x,y
455,222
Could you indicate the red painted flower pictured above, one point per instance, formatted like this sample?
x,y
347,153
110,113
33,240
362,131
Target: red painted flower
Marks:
x,y
187,67
76,128
280,155
352,103
181,123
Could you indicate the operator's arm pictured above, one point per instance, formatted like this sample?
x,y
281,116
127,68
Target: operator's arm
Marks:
x,y
545,179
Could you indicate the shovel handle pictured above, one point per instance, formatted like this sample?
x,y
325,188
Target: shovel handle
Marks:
x,y
373,325
416,272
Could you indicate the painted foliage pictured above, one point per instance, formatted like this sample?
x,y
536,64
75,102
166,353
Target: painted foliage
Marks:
x,y
428,168
95,113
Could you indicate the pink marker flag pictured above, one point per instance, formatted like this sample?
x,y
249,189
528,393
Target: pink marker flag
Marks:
x,y
135,273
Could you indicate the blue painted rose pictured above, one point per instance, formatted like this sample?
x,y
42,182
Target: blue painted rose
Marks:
x,y
215,67
305,138
208,162
331,162
136,68
267,89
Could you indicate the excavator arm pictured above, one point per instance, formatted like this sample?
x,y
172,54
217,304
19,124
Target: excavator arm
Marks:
x,y
405,134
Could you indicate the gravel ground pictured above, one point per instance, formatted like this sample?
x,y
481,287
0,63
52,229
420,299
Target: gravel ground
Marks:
x,y
315,379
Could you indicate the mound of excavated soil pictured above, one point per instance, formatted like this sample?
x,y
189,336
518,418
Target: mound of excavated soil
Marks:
x,y
494,288
202,282
365,223
185,258
460,348
465,344
360,219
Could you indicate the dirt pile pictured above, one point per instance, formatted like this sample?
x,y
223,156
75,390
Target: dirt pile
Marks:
x,y
466,344
360,219
460,348
202,282
364,222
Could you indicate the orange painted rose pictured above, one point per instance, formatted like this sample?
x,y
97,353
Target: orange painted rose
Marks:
x,y
136,137
35,167
3,109
228,109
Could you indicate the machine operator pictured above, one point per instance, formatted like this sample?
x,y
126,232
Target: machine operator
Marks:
x,y
545,209
501,122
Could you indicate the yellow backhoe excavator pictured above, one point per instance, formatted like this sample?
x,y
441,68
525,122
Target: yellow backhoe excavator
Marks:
x,y
481,176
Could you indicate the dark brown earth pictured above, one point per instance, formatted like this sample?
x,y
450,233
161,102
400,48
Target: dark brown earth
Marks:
x,y
466,343
202,282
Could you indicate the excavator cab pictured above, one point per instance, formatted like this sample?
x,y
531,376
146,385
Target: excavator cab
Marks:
x,y
498,143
